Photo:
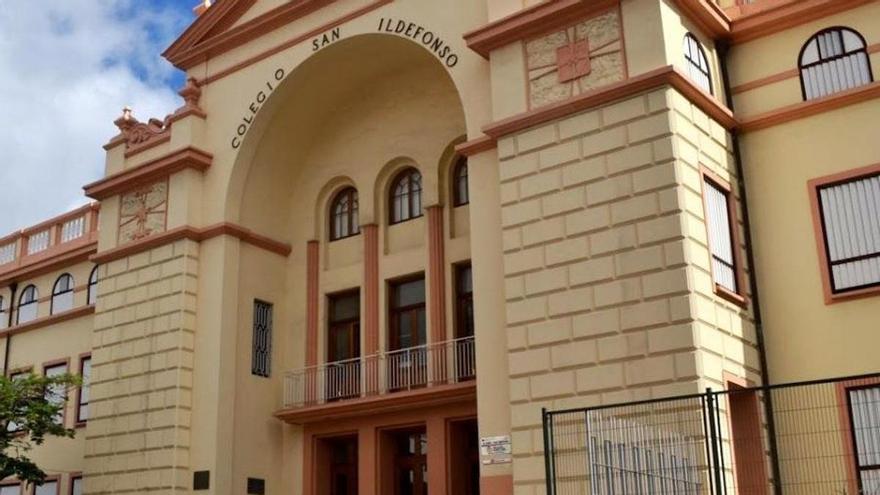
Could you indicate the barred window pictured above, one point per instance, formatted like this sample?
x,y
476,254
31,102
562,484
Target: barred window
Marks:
x,y
57,394
73,229
850,215
406,196
697,64
461,193
834,60
38,242
85,373
62,295
28,305
344,220
7,253
719,215
92,292
4,317
261,358
864,405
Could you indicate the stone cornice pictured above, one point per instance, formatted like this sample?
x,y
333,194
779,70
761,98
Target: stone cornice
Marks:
x,y
538,19
53,259
194,234
48,320
155,169
666,76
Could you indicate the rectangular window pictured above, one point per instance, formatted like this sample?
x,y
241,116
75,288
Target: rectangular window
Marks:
x,y
10,489
864,406
82,407
76,485
12,426
849,214
721,225
4,315
56,394
261,358
50,487
464,302
408,323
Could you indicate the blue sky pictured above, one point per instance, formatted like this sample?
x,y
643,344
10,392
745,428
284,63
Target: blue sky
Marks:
x,y
67,68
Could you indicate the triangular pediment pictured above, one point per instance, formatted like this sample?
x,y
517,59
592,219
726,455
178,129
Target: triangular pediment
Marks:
x,y
228,24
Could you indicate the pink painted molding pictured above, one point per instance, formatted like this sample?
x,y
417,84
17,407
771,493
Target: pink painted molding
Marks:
x,y
437,273
312,289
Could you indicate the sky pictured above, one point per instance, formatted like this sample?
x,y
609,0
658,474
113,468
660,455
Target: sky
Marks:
x,y
67,68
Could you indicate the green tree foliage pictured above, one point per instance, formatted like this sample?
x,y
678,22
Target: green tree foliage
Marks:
x,y
31,409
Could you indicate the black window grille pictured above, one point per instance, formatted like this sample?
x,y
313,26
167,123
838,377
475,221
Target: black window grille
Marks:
x,y
719,222
697,64
850,215
834,60
406,196
261,360
344,220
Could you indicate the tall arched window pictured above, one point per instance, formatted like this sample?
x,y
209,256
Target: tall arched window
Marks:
x,y
460,193
92,292
27,305
62,295
697,63
406,196
834,60
344,215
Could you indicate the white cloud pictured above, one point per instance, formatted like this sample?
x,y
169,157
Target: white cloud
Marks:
x,y
66,70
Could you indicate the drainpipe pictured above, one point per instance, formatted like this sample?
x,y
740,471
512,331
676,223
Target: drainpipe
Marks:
x,y
13,287
723,50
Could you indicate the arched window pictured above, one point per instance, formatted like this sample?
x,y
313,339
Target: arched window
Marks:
x,y
344,215
27,305
460,192
4,318
92,292
697,64
406,196
834,60
62,295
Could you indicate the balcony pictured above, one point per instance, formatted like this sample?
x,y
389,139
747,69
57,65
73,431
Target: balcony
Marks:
x,y
425,374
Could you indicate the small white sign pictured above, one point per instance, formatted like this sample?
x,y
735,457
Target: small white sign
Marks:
x,y
496,450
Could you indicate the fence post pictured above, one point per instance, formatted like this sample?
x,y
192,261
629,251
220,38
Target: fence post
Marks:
x,y
714,441
548,452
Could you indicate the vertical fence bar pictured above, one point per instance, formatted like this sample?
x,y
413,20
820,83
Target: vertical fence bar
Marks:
x,y
714,441
548,452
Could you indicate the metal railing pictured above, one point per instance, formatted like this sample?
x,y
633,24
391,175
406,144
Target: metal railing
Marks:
x,y
801,438
429,365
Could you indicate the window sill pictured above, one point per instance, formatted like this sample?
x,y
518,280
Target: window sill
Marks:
x,y
832,298
80,424
731,296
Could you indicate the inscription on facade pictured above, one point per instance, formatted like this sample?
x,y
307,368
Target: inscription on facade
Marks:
x,y
261,96
325,39
420,34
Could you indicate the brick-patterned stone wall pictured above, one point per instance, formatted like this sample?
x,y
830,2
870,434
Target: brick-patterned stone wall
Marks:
x,y
137,439
605,264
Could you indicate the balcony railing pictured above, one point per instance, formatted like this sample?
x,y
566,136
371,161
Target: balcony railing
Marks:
x,y
387,372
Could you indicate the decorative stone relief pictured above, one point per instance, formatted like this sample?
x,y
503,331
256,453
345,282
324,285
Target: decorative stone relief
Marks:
x,y
571,61
143,212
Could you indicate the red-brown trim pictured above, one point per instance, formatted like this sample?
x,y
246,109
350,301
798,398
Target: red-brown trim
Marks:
x,y
382,404
613,92
293,41
747,437
812,107
48,320
496,485
163,166
732,207
541,18
436,273
707,15
784,16
312,296
73,476
846,426
79,422
195,234
765,81
819,234
187,54
371,289
476,146
50,260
